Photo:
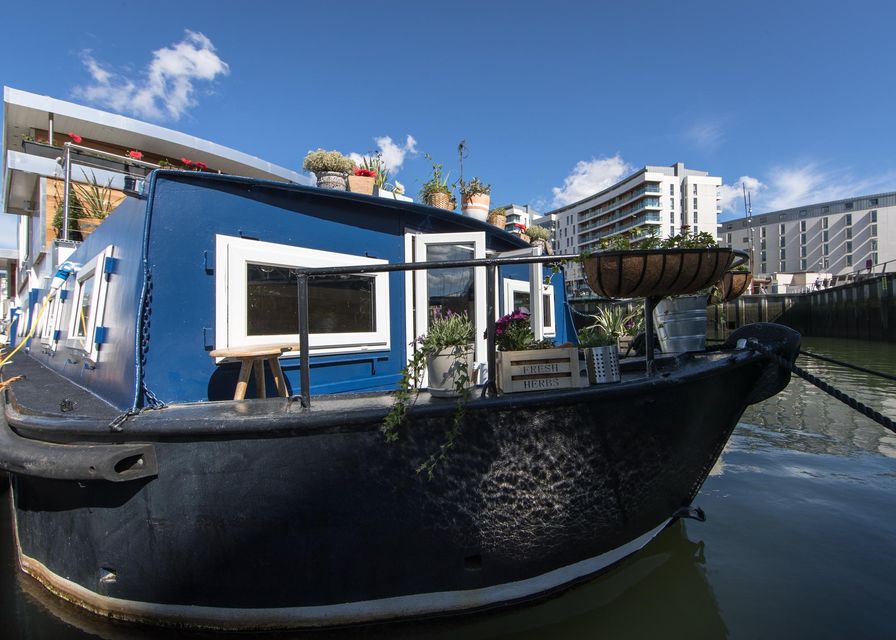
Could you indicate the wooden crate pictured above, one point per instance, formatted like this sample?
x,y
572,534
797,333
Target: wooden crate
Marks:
x,y
538,370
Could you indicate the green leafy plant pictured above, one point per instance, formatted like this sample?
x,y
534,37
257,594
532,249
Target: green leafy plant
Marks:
x,y
437,182
448,330
615,321
375,164
323,160
590,337
473,187
513,332
95,199
538,233
75,212
683,240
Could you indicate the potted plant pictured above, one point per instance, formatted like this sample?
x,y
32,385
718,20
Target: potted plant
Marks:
x,y
601,354
362,180
540,237
619,324
525,364
95,203
475,198
435,191
330,168
498,217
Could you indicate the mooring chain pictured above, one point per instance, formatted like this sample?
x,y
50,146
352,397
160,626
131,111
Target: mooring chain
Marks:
x,y
849,401
872,372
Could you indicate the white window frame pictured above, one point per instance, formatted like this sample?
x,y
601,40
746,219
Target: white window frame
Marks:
x,y
95,267
545,326
53,320
415,251
231,258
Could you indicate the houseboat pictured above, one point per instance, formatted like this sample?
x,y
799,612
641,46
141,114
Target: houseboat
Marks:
x,y
143,491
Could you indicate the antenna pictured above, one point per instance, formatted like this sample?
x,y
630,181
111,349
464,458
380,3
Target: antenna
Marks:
x,y
748,214
462,152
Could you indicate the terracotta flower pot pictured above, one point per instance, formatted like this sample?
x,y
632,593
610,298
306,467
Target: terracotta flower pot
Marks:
x,y
497,219
361,184
476,206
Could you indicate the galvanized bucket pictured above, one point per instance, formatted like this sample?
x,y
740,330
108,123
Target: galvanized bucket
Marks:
x,y
681,323
603,364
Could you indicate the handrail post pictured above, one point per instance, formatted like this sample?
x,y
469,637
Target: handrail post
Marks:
x,y
490,306
650,303
304,355
68,183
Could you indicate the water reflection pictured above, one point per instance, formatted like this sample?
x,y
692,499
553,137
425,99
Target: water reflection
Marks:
x,y
804,418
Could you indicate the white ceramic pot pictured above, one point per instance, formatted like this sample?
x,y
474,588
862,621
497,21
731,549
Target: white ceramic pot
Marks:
x,y
443,368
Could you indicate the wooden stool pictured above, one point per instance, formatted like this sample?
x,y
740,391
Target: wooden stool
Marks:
x,y
253,357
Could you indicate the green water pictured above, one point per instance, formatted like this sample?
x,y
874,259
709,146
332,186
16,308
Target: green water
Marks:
x,y
799,542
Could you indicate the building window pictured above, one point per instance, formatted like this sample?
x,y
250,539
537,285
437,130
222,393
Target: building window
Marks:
x,y
849,232
824,236
848,206
849,246
695,191
848,259
762,231
745,239
873,229
729,226
782,266
873,202
825,248
762,267
763,219
848,219
782,254
874,245
782,241
762,255
695,203
672,203
873,214
695,217
802,265
762,244
874,258
781,229
803,251
824,223
671,189
782,216
257,284
91,285
803,213
825,209
802,238
803,226
824,263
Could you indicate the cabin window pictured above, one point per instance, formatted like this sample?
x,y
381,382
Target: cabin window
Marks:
x,y
257,298
518,295
89,296
52,320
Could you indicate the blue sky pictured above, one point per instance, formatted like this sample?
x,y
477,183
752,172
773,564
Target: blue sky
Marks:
x,y
555,100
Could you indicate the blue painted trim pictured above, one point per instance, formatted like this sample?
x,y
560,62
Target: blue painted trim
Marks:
x,y
63,295
109,265
99,335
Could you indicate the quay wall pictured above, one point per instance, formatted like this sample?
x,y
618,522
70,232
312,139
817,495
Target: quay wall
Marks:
x,y
864,310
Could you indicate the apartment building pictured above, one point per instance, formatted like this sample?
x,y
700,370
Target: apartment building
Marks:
x,y
657,200
838,237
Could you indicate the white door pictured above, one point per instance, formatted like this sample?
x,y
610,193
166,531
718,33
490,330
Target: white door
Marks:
x,y
459,290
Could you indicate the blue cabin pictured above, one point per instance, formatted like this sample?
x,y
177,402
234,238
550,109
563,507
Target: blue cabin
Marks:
x,y
202,262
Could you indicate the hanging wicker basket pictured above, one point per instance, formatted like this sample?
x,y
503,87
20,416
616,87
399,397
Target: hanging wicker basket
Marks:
x,y
734,284
655,272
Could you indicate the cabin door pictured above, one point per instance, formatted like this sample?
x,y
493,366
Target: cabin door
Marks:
x,y
457,290
532,296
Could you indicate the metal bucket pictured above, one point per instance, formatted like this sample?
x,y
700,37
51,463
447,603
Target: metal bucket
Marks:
x,y
603,364
681,324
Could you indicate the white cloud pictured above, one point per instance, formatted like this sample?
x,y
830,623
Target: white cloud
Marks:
x,y
589,177
787,187
393,154
732,195
706,135
166,88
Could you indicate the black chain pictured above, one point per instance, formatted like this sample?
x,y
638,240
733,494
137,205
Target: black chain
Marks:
x,y
849,401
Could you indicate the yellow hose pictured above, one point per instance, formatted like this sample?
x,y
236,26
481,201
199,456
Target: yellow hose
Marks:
x,y
34,326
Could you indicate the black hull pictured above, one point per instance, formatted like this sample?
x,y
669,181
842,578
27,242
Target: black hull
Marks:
x,y
279,526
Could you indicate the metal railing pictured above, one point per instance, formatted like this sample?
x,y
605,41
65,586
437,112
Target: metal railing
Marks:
x,y
490,264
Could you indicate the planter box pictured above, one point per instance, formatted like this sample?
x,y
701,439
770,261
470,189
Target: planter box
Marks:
x,y
391,195
538,370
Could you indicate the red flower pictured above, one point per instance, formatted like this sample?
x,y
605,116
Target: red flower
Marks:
x,y
136,155
367,173
200,165
186,161
75,137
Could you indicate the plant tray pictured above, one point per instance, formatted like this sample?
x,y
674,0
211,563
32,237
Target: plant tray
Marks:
x,y
538,370
655,272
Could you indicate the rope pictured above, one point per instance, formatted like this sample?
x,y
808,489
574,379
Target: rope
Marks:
x,y
849,366
849,401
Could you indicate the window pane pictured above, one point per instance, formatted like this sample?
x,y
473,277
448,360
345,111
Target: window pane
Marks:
x,y
546,312
336,304
451,289
521,301
84,306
